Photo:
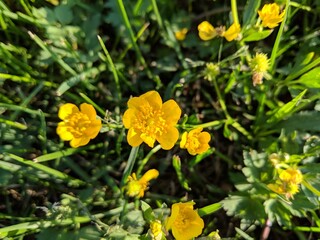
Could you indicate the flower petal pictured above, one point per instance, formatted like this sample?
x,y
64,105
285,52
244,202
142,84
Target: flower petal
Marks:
x,y
168,139
66,109
77,142
88,110
183,141
128,117
134,138
153,98
149,175
171,112
63,132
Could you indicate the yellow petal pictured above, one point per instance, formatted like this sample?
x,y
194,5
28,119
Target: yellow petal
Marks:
x,y
62,131
183,141
66,109
168,139
134,138
153,98
88,110
171,112
150,174
129,117
78,142
149,140
204,137
206,31
232,32
92,131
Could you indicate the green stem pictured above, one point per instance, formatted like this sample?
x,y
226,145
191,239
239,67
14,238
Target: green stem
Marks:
x,y
278,39
156,12
214,123
234,11
220,99
146,159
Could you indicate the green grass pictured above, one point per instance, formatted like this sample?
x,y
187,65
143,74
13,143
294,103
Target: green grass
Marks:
x,y
103,53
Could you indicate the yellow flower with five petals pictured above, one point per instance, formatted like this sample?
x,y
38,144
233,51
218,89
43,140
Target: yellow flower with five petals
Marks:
x,y
78,126
195,141
184,222
150,120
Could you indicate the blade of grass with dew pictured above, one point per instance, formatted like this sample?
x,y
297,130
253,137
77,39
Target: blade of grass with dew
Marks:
x,y
52,172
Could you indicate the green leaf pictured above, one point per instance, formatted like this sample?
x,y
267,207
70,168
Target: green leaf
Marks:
x,y
277,212
256,35
212,208
310,79
286,110
243,234
176,163
245,207
147,211
250,12
64,14
133,222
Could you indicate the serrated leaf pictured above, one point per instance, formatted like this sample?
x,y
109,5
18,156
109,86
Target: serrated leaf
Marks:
x,y
277,212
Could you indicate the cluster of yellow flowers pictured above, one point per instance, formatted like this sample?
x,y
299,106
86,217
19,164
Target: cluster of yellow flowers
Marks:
x,y
288,182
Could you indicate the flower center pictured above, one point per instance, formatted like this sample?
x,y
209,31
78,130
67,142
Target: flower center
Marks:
x,y
150,122
184,220
78,123
193,142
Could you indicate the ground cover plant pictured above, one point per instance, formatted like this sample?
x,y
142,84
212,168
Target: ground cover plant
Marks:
x,y
158,120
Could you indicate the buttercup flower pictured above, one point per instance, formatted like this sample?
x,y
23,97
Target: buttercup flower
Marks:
x,y
195,141
136,187
206,31
184,222
150,120
181,34
232,32
78,127
288,182
270,15
259,66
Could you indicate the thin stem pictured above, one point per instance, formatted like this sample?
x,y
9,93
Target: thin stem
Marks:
x,y
146,159
278,39
220,99
234,11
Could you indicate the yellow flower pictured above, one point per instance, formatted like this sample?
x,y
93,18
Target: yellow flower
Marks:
x,y
195,141
232,32
78,127
206,31
156,230
136,187
181,34
270,15
288,182
150,120
259,66
184,222
291,175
